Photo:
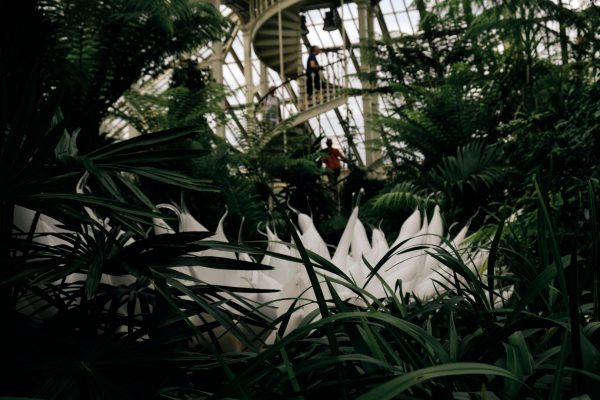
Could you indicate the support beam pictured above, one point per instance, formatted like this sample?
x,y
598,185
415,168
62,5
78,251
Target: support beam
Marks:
x,y
373,97
236,120
234,31
247,59
349,137
264,79
248,76
366,35
216,64
349,46
382,25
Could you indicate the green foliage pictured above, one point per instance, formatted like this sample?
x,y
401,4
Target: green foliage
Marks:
x,y
391,207
239,193
85,313
99,309
475,166
390,347
467,179
441,118
558,145
400,197
94,51
490,82
186,102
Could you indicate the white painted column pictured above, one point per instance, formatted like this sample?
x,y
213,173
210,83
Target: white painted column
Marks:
x,y
216,66
264,79
374,98
249,78
365,32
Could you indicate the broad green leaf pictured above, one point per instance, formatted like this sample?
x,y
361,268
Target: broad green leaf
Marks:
x,y
395,386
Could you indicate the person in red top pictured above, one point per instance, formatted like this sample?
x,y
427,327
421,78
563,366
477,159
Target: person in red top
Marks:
x,y
332,162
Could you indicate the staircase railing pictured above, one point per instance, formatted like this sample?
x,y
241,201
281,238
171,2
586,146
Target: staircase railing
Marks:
x,y
333,86
261,6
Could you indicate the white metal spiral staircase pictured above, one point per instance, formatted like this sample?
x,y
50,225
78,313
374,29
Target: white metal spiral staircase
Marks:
x,y
267,46
276,39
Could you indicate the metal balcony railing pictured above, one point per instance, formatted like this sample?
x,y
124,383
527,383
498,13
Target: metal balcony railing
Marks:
x,y
333,86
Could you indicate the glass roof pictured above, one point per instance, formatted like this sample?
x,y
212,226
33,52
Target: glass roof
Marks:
x,y
397,17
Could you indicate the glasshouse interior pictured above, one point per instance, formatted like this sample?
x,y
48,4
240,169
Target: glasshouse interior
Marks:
x,y
300,199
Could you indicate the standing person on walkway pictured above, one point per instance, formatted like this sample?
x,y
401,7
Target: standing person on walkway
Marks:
x,y
272,107
332,163
313,77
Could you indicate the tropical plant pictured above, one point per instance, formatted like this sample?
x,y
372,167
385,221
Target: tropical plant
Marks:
x,y
93,52
492,75
92,305
468,179
393,346
104,295
189,97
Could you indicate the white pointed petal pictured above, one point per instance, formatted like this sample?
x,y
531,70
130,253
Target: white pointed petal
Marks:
x,y
161,227
360,241
341,252
435,229
190,224
409,228
310,237
425,289
260,280
283,270
460,237
380,246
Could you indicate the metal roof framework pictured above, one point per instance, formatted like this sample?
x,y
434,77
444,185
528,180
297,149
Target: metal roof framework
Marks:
x,y
393,18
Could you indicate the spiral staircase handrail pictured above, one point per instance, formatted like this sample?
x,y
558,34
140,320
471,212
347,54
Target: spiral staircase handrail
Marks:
x,y
293,78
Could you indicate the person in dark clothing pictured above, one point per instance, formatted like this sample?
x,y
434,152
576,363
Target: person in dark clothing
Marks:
x,y
313,77
332,163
